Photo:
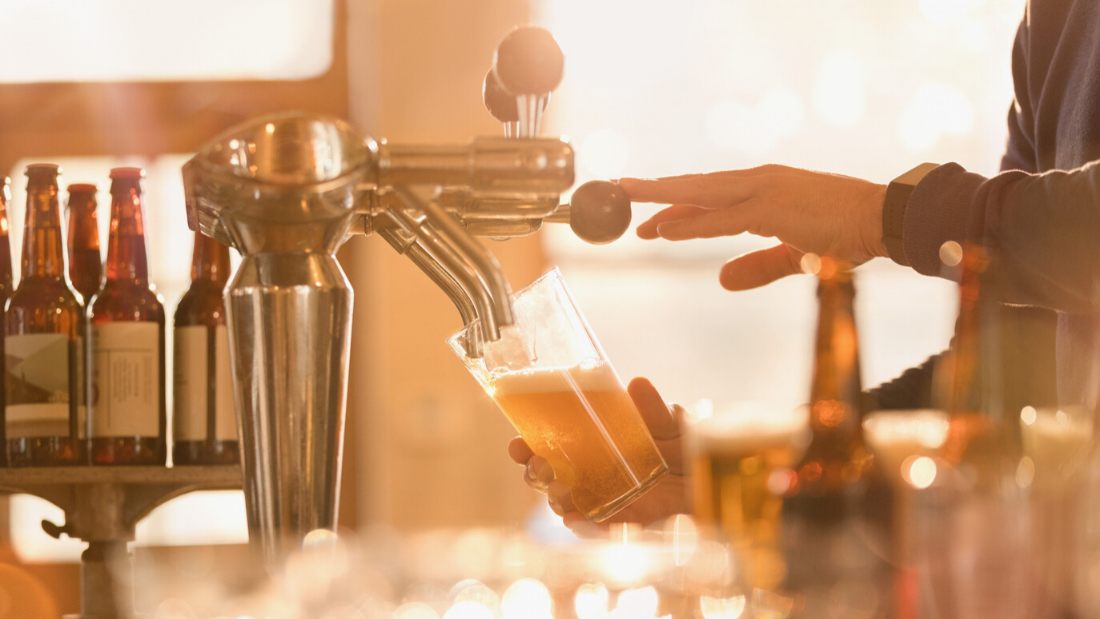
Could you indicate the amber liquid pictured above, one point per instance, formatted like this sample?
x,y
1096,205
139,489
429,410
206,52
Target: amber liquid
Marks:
x,y
836,459
127,297
739,483
44,303
5,294
204,305
585,425
85,261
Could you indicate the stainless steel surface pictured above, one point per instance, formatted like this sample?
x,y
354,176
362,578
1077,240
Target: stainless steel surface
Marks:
x,y
461,270
543,165
290,336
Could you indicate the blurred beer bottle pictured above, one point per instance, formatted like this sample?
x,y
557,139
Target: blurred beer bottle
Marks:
x,y
85,261
126,321
204,423
836,457
967,381
44,326
5,291
825,506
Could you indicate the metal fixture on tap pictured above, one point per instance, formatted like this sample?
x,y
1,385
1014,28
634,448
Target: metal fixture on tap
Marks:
x,y
287,190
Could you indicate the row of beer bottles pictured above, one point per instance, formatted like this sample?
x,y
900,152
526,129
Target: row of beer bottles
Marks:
x,y
85,368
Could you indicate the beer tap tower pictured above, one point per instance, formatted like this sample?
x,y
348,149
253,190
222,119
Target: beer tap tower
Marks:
x,y
288,190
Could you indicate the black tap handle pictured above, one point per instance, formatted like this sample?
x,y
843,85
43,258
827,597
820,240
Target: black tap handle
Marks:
x,y
599,211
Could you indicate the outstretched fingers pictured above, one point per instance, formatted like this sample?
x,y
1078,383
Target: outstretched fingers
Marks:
x,y
648,229
758,268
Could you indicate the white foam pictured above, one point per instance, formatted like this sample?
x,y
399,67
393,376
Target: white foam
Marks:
x,y
742,431
595,377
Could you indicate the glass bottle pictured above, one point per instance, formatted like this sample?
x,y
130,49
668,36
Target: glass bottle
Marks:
x,y
45,324
5,291
126,320
980,554
967,377
203,419
85,261
835,458
824,504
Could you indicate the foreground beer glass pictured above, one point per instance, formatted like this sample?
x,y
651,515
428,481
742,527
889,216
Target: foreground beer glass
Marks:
x,y
549,376
742,461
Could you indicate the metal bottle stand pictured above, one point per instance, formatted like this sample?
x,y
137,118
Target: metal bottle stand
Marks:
x,y
102,506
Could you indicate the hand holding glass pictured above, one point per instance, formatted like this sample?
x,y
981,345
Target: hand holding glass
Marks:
x,y
549,376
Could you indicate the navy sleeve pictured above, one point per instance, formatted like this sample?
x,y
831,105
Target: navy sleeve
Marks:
x,y
1043,228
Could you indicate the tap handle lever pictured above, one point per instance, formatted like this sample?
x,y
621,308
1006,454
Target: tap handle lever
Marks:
x,y
599,212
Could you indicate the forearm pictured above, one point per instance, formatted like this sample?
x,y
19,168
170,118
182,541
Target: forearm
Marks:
x,y
1042,226
911,390
1024,369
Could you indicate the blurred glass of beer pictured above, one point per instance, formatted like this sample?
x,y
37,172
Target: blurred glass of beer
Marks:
x,y
742,464
898,436
549,376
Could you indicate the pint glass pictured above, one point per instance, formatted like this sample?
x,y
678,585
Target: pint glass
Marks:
x,y
549,376
742,465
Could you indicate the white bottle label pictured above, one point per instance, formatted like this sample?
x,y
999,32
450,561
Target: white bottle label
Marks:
x,y
38,386
126,386
191,410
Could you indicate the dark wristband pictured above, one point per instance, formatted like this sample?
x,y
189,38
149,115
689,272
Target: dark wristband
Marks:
x,y
893,210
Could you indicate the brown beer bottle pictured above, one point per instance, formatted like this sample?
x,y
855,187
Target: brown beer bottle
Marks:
x,y
836,457
5,290
85,261
203,420
966,382
126,324
44,423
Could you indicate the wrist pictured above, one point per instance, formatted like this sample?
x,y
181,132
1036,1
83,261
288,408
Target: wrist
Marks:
x,y
875,245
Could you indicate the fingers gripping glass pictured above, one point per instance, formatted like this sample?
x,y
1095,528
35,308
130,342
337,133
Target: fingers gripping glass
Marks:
x,y
549,376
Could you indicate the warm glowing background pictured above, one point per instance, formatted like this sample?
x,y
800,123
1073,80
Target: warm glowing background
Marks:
x,y
860,87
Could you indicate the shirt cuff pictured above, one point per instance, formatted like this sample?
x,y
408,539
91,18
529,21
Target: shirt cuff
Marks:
x,y
938,211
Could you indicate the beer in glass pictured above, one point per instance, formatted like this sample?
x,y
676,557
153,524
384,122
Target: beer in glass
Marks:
x,y
548,374
743,464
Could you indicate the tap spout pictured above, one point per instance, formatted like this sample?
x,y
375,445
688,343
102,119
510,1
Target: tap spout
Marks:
x,y
483,262
452,258
407,244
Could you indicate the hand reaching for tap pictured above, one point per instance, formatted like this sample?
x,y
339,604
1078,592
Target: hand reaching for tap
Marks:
x,y
827,214
668,497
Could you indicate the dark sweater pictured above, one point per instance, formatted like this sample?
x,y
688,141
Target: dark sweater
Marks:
x,y
1041,214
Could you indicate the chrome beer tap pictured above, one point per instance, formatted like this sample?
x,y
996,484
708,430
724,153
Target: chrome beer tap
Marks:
x,y
288,190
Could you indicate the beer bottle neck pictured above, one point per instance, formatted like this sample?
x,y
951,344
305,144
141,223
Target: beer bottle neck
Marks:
x,y
43,251
126,258
209,261
970,384
5,243
83,222
836,348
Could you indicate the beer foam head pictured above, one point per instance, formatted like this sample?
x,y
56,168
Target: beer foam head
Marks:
x,y
587,377
750,426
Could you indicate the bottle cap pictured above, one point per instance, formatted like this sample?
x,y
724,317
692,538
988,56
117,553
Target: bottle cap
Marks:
x,y
42,170
82,188
127,174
